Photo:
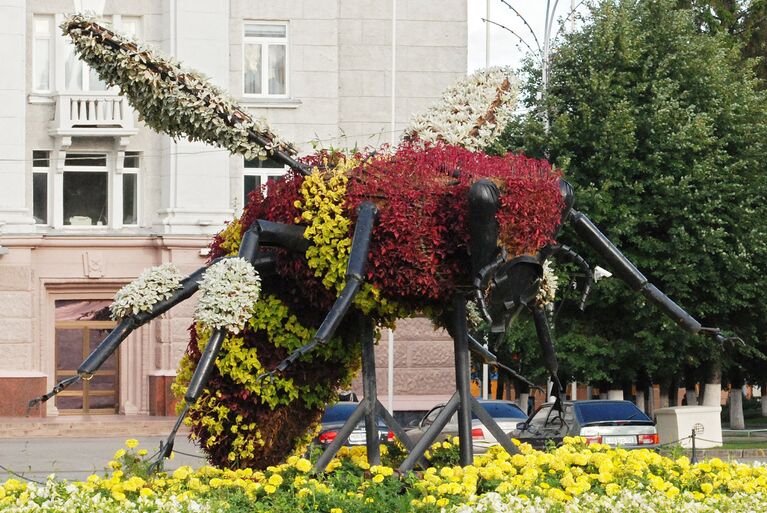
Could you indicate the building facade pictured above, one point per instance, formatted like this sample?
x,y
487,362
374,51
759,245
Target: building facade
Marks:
x,y
90,197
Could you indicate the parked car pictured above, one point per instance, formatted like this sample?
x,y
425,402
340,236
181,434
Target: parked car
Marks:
x,y
505,413
334,418
615,423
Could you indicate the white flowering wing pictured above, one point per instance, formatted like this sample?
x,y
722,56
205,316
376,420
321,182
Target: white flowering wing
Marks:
x,y
153,285
471,113
229,291
170,99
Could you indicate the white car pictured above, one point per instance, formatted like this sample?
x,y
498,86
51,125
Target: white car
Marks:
x,y
505,413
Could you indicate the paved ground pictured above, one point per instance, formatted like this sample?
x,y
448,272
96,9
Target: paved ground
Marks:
x,y
77,458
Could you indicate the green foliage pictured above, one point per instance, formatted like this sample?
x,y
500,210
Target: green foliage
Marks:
x,y
663,133
744,20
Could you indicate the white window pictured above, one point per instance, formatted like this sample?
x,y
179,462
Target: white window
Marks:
x,y
259,173
54,63
265,59
42,51
41,164
131,165
78,76
85,190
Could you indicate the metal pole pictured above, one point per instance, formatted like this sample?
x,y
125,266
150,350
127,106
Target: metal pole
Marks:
x,y
462,379
485,380
390,373
694,457
371,393
487,34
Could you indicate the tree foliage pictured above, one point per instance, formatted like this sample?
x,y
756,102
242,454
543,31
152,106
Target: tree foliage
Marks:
x,y
662,131
744,20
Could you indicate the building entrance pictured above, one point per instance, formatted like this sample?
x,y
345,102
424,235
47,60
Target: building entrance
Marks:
x,y
80,326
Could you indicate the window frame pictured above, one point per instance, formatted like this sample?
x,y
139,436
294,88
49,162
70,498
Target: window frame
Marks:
x,y
263,173
265,42
108,170
49,39
46,171
87,74
127,170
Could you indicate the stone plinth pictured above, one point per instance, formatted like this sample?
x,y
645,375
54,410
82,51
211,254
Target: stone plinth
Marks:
x,y
16,390
161,400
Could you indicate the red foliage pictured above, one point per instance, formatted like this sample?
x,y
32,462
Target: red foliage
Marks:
x,y
419,247
418,257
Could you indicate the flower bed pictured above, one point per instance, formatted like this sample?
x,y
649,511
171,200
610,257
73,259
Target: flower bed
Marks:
x,y
573,478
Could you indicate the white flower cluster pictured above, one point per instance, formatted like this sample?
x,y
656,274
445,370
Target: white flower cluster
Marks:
x,y
625,501
153,285
547,290
229,291
471,113
170,99
64,497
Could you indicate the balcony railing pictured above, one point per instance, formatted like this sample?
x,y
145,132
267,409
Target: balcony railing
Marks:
x,y
92,114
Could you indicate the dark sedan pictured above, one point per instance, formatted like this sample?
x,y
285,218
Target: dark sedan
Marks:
x,y
615,423
335,417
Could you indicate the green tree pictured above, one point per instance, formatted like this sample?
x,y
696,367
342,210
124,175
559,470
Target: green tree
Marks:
x,y
662,130
745,20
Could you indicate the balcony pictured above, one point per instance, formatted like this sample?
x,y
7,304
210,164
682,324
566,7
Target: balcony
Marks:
x,y
92,114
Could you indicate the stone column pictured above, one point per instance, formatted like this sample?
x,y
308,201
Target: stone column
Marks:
x,y
15,203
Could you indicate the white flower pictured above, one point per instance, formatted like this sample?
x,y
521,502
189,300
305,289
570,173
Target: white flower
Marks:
x,y
547,290
230,289
472,113
153,285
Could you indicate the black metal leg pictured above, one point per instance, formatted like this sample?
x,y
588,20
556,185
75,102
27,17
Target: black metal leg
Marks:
x,y
343,434
355,271
260,232
373,441
627,272
561,251
463,379
112,341
547,347
431,434
502,438
487,357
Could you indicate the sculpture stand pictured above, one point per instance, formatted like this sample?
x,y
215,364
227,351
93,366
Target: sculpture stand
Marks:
x,y
461,401
369,408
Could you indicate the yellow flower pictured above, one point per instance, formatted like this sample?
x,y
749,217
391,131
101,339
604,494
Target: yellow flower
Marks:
x,y
142,452
119,454
706,488
441,503
612,489
378,478
131,443
146,492
303,465
182,473
270,488
336,510
275,479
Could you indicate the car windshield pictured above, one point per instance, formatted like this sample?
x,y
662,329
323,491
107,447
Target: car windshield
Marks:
x,y
339,412
590,412
502,410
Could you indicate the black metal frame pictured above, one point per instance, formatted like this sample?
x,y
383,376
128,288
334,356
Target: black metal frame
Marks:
x,y
368,408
